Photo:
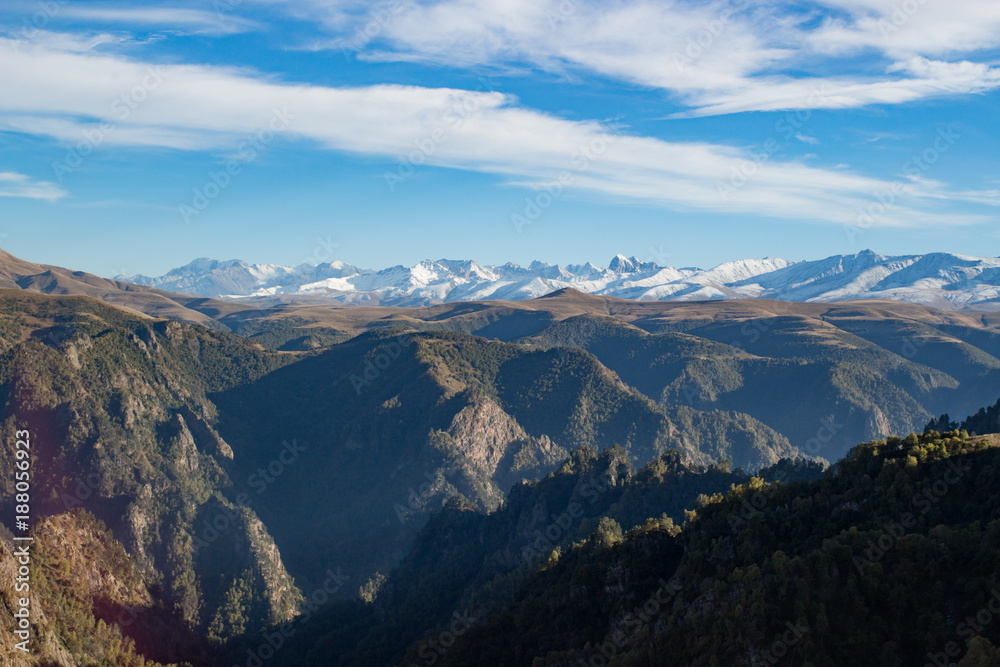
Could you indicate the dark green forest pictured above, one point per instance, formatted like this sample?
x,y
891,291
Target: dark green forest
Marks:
x,y
886,558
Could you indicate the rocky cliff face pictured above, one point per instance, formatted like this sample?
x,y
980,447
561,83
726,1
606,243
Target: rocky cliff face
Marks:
x,y
495,447
89,603
117,406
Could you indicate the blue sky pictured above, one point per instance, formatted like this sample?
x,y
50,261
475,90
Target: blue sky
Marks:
x,y
136,137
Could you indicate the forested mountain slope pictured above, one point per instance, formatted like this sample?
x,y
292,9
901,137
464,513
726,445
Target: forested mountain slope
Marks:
x,y
238,479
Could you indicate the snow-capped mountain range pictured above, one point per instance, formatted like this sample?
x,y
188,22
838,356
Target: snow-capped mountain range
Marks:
x,y
936,279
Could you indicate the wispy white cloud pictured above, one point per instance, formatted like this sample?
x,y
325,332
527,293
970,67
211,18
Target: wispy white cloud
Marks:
x,y
189,20
906,29
928,79
717,57
72,96
74,42
13,184
931,189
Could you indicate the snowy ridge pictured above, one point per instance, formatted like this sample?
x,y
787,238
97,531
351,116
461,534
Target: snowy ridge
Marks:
x,y
936,279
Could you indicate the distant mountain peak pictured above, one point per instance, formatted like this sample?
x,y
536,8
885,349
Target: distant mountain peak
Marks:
x,y
936,279
622,264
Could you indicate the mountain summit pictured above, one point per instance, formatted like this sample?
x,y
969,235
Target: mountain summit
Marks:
x,y
941,280
622,264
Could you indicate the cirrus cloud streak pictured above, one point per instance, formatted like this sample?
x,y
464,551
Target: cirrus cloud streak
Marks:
x,y
66,94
